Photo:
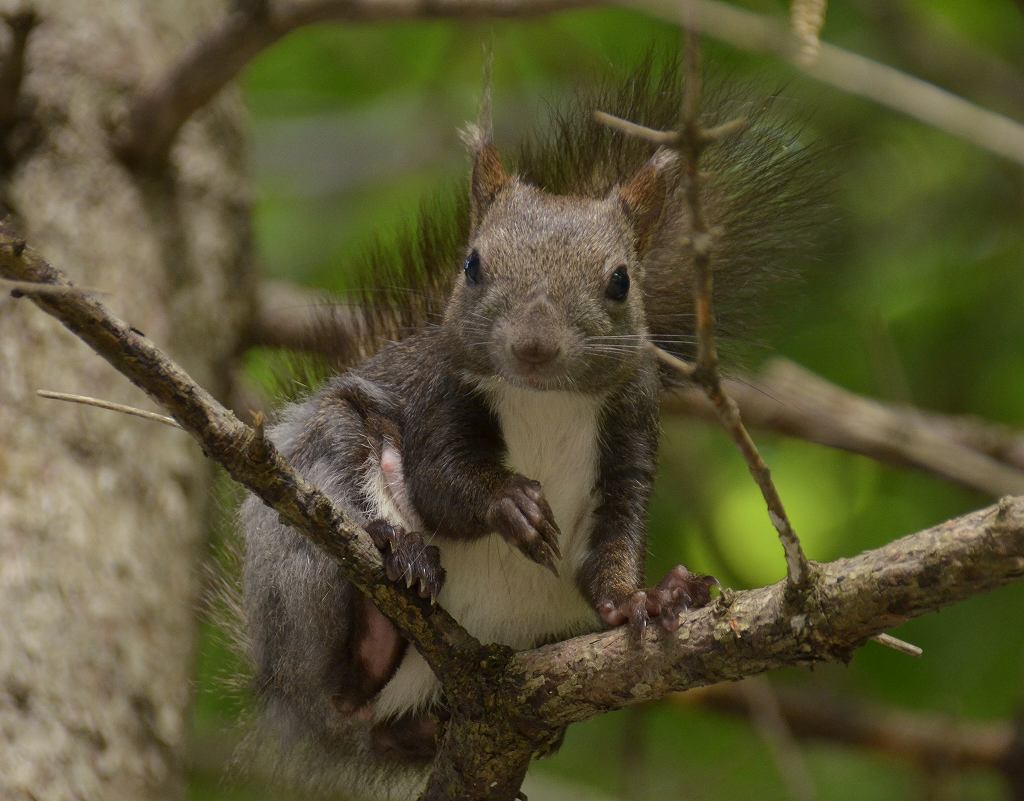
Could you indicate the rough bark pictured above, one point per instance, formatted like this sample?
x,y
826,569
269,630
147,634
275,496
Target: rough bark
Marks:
x,y
101,515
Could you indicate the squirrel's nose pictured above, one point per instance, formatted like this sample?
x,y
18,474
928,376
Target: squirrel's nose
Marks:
x,y
535,352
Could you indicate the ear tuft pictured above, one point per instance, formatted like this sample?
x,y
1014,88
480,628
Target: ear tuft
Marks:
x,y
489,176
643,197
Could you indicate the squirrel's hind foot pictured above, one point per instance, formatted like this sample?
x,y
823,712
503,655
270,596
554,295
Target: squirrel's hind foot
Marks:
x,y
678,592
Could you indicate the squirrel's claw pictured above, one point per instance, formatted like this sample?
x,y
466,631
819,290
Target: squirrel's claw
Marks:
x,y
407,558
678,592
522,516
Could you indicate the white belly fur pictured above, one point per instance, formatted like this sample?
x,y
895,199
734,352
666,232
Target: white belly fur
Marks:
x,y
491,588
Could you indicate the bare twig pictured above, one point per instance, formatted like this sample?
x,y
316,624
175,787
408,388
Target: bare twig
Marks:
x,y
791,400
706,373
108,405
897,644
635,129
158,111
854,599
857,75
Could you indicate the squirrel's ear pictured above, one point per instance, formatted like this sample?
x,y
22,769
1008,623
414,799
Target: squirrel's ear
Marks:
x,y
489,177
643,196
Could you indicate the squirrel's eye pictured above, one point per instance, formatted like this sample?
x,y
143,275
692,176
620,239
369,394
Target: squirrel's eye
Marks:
x,y
472,268
618,285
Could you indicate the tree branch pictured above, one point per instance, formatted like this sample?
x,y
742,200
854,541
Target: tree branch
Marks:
x,y
791,400
506,708
749,632
157,112
99,403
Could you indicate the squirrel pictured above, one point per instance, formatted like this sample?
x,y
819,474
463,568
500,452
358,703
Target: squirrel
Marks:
x,y
502,458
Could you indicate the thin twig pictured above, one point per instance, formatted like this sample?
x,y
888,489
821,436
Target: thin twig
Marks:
x,y
706,373
807,18
897,644
635,129
110,406
160,108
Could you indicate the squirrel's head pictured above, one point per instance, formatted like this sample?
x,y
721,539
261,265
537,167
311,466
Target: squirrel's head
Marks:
x,y
551,291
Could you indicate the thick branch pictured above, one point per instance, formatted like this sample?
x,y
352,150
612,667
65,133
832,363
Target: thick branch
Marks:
x,y
790,400
749,632
160,109
243,451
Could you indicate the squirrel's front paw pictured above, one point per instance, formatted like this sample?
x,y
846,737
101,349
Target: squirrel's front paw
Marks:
x,y
408,558
521,515
679,591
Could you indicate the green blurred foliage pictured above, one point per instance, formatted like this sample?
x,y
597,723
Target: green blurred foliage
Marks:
x,y
919,297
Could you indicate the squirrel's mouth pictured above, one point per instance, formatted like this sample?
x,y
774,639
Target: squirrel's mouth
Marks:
x,y
536,377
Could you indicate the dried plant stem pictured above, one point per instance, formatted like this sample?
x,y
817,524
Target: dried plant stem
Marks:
x,y
705,372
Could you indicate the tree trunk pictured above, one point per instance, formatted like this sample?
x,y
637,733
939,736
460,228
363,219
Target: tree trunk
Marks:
x,y
101,515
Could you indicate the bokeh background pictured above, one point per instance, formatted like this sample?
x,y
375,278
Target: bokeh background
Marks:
x,y
916,295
